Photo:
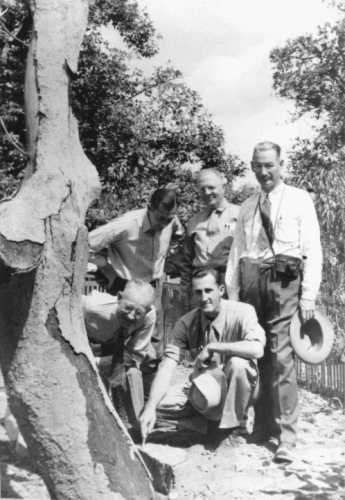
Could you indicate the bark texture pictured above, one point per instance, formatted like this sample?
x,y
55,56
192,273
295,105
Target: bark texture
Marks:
x,y
77,440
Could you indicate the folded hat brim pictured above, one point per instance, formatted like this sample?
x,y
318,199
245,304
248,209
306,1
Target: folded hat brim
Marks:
x,y
312,341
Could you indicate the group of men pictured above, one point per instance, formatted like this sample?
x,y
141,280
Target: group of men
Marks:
x,y
244,274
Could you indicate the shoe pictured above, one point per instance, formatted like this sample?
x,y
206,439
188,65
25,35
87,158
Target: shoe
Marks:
x,y
237,436
257,437
232,437
284,454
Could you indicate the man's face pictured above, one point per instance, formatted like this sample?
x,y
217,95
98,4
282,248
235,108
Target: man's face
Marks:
x,y
211,189
132,308
161,217
208,294
267,167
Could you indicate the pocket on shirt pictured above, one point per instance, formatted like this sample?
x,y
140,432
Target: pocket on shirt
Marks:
x,y
287,229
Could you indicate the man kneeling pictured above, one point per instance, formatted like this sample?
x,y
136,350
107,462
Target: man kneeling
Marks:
x,y
120,330
225,340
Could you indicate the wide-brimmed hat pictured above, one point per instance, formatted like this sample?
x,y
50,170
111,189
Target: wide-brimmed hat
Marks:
x,y
312,341
208,391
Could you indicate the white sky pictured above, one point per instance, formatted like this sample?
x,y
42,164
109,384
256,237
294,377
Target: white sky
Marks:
x,y
222,48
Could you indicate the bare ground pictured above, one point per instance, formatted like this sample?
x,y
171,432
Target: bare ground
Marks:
x,y
241,472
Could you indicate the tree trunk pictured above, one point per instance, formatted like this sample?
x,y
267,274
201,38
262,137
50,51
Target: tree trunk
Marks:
x,y
75,438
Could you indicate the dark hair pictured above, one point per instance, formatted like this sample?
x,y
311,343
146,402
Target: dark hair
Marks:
x,y
205,271
266,146
164,197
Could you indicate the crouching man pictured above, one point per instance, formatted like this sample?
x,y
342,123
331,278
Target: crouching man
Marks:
x,y
225,340
120,330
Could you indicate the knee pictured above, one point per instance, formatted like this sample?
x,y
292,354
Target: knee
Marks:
x,y
236,366
284,363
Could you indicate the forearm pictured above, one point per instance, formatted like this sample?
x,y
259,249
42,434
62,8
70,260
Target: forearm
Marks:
x,y
249,349
104,236
312,253
161,382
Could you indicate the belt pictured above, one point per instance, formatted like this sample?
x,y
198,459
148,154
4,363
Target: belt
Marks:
x,y
286,265
220,269
260,262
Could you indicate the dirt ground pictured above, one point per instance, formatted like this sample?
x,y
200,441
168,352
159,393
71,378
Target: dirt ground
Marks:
x,y
240,472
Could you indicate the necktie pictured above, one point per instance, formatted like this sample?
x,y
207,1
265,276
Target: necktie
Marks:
x,y
213,226
265,211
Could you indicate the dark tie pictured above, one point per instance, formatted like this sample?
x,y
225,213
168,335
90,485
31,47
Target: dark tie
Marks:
x,y
265,211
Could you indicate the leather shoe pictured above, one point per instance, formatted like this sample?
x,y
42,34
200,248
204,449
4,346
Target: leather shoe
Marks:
x,y
284,454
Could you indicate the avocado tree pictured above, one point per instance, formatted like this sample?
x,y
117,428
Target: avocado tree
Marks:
x,y
77,441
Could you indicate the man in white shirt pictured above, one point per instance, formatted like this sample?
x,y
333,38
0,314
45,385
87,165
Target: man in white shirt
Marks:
x,y
275,265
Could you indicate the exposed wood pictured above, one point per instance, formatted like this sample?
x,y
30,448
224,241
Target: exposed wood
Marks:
x,y
75,438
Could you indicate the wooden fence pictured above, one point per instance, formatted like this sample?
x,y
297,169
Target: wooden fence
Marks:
x,y
327,378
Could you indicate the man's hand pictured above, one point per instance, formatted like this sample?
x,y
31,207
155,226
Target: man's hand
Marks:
x,y
147,421
203,358
307,309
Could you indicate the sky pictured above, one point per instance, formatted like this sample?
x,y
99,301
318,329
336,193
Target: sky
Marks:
x,y
222,47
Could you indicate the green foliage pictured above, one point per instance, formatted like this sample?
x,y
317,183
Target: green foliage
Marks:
x,y
310,70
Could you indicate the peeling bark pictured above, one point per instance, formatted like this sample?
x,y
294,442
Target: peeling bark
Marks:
x,y
73,434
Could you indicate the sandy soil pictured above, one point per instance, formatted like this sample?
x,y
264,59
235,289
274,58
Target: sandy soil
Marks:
x,y
240,472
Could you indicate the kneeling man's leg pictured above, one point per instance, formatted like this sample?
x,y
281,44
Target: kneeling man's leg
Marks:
x,y
243,386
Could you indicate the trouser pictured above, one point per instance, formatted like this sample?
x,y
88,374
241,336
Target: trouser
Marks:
x,y
275,297
157,340
243,388
128,387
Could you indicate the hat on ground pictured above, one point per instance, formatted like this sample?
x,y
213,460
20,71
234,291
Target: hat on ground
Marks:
x,y
312,341
208,391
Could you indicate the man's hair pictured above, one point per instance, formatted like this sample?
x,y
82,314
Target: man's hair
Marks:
x,y
205,271
142,287
163,197
267,146
214,171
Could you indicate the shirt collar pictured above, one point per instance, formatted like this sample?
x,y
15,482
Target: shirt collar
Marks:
x,y
223,206
147,227
276,191
218,322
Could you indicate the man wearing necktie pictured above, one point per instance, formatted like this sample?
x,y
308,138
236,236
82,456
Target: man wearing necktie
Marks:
x,y
210,232
222,332
275,265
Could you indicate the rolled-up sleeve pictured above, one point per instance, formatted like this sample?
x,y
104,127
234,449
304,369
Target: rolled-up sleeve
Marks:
x,y
110,233
179,342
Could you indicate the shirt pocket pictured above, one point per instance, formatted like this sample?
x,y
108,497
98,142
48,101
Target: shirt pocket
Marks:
x,y
287,229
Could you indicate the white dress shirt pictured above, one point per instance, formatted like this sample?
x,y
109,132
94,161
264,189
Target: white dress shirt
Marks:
x,y
296,233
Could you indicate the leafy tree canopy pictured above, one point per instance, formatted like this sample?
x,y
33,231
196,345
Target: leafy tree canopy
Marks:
x,y
310,70
140,131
